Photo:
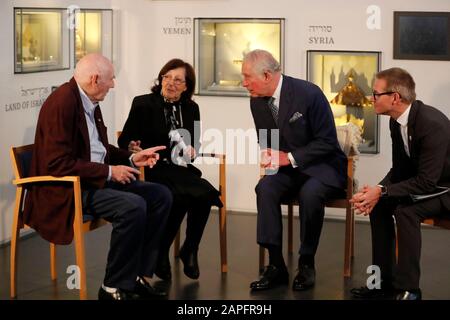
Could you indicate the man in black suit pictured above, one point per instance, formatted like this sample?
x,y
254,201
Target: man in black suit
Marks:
x,y
305,156
420,163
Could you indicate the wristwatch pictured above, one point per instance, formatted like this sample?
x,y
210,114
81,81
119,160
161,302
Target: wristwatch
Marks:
x,y
383,190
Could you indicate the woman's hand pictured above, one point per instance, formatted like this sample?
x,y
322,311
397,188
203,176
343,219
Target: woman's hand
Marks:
x,y
134,146
190,152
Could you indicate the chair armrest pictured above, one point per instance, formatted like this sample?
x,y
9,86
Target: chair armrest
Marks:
x,y
222,174
219,156
36,179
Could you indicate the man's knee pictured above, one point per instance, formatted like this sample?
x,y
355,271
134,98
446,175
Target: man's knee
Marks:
x,y
312,193
133,209
406,214
266,188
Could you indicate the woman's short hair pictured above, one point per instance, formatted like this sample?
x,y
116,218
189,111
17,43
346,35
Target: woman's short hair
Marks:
x,y
190,77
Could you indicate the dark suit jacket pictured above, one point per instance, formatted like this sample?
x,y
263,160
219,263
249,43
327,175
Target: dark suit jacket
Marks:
x,y
311,138
429,163
146,122
62,148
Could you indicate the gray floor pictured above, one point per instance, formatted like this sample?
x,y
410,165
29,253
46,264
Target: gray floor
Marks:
x,y
34,275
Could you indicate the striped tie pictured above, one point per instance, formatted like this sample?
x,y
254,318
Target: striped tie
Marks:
x,y
273,109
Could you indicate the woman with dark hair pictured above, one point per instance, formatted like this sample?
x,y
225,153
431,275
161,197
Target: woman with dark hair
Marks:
x,y
168,116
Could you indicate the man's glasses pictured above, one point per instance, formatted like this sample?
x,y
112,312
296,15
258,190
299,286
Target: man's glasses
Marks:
x,y
176,81
376,95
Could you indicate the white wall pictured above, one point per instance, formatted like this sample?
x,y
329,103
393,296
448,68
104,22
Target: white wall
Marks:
x,y
145,48
141,48
18,127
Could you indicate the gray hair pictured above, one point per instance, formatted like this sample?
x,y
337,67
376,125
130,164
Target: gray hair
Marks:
x,y
400,81
262,61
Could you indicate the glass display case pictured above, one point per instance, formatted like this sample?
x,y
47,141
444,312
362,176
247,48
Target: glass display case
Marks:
x,y
220,45
93,32
346,78
41,40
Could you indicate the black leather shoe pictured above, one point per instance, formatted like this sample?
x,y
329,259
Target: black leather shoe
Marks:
x,y
366,293
190,262
118,295
146,291
271,277
305,278
163,270
409,295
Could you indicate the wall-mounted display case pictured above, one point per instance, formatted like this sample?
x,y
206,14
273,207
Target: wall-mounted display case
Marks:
x,y
220,45
93,32
346,78
41,40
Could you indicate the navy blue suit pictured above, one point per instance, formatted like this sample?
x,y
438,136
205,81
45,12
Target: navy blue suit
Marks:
x,y
306,130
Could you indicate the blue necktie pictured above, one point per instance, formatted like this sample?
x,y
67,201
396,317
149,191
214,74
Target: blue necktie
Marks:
x,y
273,109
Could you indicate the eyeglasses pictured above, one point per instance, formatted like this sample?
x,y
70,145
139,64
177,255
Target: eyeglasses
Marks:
x,y
376,95
176,81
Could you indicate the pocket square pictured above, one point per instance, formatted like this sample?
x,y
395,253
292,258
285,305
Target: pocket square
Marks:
x,y
295,117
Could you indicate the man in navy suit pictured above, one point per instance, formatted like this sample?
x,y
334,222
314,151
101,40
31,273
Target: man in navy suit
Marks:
x,y
306,158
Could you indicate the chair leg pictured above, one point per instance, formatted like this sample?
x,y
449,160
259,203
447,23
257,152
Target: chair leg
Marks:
x,y
14,246
53,273
262,258
349,220
14,243
223,239
80,257
353,234
176,245
290,217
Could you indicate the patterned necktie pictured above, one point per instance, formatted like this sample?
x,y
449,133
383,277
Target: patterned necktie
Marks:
x,y
273,109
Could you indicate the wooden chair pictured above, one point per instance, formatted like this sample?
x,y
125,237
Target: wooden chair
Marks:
x,y
222,211
21,160
441,222
335,203
222,214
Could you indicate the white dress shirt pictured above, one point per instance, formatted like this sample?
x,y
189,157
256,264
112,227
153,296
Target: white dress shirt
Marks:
x,y
403,121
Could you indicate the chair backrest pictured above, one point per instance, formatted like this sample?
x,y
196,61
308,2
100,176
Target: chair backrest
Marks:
x,y
441,221
21,160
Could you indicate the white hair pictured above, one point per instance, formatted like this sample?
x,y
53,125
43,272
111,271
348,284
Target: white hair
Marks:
x,y
262,61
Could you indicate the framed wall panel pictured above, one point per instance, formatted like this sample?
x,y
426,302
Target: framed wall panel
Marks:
x,y
422,35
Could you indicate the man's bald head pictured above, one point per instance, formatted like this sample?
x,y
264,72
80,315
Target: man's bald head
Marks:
x,y
94,73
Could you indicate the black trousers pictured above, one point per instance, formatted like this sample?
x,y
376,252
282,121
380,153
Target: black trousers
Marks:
x,y
405,273
138,212
311,194
197,210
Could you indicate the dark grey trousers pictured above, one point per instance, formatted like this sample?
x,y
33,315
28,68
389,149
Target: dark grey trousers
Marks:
x,y
138,212
405,273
